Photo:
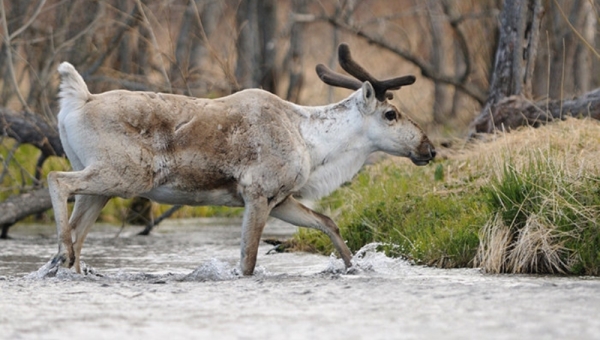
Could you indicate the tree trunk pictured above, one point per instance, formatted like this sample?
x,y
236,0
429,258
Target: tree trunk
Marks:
x,y
583,57
515,58
568,49
256,44
442,94
199,20
514,111
29,128
293,60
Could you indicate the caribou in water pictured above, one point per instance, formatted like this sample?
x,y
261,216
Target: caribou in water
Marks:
x,y
250,149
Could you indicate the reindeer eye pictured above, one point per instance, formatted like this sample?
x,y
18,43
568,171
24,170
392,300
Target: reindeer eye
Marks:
x,y
390,115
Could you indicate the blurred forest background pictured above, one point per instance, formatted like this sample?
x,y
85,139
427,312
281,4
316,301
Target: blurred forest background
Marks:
x,y
210,48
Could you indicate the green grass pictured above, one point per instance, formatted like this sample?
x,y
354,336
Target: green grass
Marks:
x,y
414,215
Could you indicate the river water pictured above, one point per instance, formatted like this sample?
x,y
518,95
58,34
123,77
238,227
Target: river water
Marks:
x,y
182,283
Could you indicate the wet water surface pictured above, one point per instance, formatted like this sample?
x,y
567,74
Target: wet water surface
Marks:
x,y
183,282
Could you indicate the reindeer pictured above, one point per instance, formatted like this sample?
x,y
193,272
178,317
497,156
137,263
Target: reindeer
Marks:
x,y
250,149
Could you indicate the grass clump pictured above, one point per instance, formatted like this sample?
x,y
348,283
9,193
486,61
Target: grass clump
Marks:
x,y
544,220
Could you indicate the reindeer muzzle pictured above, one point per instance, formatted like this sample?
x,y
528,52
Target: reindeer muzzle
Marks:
x,y
424,154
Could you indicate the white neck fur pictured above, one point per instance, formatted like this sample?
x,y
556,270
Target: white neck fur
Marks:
x,y
338,146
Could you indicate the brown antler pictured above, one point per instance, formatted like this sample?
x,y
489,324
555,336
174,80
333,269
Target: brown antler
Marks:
x,y
332,78
345,59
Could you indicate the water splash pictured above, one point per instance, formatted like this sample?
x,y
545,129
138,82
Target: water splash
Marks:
x,y
45,271
369,260
213,270
51,270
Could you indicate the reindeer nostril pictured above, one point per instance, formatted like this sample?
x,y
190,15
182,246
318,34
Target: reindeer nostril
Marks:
x,y
432,152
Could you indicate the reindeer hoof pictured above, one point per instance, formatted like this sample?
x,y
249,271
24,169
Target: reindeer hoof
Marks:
x,y
58,260
351,270
51,268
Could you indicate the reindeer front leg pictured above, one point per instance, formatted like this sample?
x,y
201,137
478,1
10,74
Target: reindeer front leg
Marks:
x,y
255,217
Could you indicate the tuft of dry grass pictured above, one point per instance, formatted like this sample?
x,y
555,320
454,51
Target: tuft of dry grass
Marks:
x,y
544,196
537,248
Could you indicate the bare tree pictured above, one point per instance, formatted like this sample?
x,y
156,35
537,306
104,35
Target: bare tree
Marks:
x,y
509,104
294,59
442,94
515,56
461,82
197,24
256,44
568,60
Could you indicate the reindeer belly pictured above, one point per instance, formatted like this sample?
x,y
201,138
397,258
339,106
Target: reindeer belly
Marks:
x,y
168,194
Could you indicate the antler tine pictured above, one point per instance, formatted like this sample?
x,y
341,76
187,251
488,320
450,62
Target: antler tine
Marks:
x,y
351,66
336,79
380,86
397,83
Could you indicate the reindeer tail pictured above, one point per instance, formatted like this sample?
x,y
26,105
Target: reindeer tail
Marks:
x,y
73,92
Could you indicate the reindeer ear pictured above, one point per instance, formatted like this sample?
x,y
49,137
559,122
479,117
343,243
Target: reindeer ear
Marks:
x,y
369,99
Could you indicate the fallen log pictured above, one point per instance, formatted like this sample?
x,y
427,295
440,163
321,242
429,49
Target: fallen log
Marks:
x,y
17,207
515,111
28,128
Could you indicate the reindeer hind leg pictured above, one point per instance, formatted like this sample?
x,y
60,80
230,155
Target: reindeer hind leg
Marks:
x,y
85,212
100,184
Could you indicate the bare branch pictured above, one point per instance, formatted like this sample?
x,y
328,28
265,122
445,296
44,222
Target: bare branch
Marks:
x,y
583,40
460,39
26,127
9,59
34,16
427,70
160,218
131,22
155,43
